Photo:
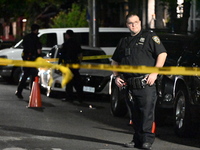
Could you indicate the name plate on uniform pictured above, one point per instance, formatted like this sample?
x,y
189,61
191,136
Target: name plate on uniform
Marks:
x,y
88,89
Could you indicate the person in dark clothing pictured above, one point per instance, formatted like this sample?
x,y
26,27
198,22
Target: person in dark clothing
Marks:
x,y
141,48
31,50
71,53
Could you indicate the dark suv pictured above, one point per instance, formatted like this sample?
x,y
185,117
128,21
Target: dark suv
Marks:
x,y
178,96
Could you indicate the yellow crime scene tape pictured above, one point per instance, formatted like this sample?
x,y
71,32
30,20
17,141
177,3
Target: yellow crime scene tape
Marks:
x,y
141,69
84,58
67,75
96,57
40,62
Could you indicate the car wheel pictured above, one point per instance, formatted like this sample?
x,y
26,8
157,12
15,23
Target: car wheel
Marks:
x,y
17,73
183,125
117,101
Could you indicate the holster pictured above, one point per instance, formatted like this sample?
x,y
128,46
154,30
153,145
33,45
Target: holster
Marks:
x,y
137,82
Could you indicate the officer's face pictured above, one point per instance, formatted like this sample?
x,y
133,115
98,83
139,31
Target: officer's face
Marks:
x,y
134,25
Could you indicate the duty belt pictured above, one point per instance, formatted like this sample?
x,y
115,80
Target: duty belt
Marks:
x,y
137,82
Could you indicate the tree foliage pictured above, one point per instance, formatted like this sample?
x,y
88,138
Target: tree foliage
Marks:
x,y
59,21
31,9
76,17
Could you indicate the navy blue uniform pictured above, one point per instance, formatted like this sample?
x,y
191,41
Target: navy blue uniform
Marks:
x,y
138,50
69,54
31,44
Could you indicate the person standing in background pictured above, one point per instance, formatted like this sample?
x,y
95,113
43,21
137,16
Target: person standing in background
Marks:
x,y
71,53
32,48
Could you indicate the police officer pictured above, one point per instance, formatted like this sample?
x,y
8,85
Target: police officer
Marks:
x,y
140,48
71,53
31,50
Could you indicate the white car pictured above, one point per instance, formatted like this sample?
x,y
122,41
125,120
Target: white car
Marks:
x,y
55,36
94,81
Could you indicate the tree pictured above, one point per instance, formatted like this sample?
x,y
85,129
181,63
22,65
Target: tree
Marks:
x,y
33,10
76,17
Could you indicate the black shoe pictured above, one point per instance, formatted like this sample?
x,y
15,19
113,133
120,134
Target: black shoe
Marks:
x,y
19,95
147,146
130,144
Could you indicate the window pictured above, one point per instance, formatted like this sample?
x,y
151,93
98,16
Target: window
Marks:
x,y
111,39
106,39
48,40
82,38
197,9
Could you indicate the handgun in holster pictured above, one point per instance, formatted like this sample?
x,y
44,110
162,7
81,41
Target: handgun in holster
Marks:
x,y
137,82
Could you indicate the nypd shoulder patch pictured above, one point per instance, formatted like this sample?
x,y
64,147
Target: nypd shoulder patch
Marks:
x,y
156,39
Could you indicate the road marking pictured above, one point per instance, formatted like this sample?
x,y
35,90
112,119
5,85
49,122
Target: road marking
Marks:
x,y
14,148
105,149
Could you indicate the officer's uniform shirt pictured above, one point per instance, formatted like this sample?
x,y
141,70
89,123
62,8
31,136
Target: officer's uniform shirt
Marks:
x,y
139,50
70,51
31,44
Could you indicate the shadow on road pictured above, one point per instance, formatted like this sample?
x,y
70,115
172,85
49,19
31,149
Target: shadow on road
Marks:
x,y
56,134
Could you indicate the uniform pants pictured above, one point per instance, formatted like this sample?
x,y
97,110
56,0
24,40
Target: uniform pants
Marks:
x,y
76,82
144,101
27,72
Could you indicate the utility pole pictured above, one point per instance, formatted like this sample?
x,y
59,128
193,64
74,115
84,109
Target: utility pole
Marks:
x,y
93,27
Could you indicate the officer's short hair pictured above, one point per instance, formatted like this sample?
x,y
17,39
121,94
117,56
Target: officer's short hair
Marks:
x,y
132,14
35,27
70,33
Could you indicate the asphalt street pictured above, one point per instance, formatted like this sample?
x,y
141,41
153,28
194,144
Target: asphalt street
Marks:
x,y
71,126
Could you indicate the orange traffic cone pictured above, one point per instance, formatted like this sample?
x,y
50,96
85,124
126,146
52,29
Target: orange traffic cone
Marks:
x,y
35,97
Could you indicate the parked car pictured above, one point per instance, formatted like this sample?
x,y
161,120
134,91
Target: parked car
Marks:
x,y
178,95
55,36
94,81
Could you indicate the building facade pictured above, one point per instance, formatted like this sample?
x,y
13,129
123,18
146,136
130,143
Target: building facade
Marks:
x,y
154,15
194,20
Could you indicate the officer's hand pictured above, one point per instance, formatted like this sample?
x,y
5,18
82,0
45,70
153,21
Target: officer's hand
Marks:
x,y
151,78
119,82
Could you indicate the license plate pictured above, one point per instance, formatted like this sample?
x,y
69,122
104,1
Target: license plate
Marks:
x,y
88,89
